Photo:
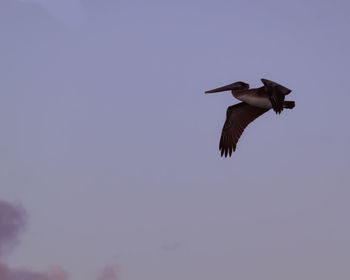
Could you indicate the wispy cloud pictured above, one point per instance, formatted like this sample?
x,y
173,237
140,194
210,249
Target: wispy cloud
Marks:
x,y
12,222
7,273
108,273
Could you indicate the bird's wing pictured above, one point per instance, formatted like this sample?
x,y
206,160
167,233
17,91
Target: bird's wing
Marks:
x,y
237,119
276,94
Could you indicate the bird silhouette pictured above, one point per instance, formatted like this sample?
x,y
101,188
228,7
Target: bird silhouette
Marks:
x,y
255,102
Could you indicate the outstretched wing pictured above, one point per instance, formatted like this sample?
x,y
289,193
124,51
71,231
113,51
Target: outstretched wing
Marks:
x,y
237,119
276,93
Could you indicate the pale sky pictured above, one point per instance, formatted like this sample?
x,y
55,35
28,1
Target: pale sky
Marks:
x,y
69,12
111,146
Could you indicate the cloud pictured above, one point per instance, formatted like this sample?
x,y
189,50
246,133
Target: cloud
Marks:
x,y
7,273
108,273
12,222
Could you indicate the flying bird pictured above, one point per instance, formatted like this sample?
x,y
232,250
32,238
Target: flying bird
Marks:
x,y
255,102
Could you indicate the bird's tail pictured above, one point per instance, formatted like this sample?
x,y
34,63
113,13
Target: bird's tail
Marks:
x,y
289,104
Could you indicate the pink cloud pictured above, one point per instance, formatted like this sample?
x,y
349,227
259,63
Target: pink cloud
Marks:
x,y
109,273
12,222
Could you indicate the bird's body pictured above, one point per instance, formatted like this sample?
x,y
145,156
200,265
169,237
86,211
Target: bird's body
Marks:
x,y
255,102
254,97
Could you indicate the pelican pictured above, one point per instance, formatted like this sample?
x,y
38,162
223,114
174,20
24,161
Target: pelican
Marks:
x,y
255,102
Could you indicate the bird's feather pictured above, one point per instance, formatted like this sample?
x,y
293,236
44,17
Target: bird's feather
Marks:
x,y
238,117
276,94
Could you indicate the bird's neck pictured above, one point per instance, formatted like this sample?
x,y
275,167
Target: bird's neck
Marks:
x,y
238,93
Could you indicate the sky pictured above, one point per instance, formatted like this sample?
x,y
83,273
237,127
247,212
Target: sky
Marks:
x,y
109,146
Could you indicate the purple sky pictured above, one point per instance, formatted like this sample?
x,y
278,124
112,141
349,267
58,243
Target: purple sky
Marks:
x,y
111,146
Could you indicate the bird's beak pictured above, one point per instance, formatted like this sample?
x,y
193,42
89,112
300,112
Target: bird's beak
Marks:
x,y
234,86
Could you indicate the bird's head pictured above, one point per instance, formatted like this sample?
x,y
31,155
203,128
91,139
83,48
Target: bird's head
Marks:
x,y
237,86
